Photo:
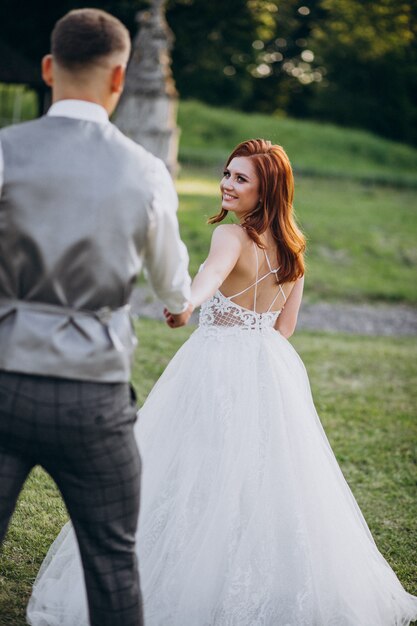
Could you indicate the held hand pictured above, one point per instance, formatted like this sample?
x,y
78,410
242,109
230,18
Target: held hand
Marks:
x,y
175,320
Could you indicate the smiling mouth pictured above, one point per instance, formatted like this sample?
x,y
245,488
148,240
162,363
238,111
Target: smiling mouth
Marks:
x,y
227,196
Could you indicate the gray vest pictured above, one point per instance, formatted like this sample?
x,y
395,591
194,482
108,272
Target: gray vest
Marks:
x,y
74,213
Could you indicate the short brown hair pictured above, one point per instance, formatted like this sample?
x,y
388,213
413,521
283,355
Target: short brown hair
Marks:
x,y
83,36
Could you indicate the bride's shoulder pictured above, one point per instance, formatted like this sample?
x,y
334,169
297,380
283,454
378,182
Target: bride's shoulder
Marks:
x,y
227,240
229,232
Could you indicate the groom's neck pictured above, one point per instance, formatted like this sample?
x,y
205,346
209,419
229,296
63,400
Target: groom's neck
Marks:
x,y
69,94
101,84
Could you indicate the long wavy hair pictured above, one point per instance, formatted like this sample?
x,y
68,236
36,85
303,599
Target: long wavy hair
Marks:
x,y
275,208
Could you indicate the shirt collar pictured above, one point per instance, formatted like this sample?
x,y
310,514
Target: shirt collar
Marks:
x,y
80,110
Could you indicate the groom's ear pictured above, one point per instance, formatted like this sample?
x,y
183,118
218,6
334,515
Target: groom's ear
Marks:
x,y
118,79
47,69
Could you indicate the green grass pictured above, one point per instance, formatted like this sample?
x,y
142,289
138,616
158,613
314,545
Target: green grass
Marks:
x,y
39,516
362,239
209,134
365,390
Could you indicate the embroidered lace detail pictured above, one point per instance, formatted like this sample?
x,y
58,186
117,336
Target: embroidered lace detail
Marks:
x,y
220,313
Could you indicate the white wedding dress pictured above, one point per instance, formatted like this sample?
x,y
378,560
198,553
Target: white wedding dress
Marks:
x,y
246,518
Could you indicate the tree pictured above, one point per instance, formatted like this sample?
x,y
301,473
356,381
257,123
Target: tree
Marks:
x,y
215,47
246,53
353,62
369,50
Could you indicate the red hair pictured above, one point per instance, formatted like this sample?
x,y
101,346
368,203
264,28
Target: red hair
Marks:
x,y
275,209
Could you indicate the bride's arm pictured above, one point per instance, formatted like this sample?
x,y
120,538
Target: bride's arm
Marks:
x,y
287,319
225,248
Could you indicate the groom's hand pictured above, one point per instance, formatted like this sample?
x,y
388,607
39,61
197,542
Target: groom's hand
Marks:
x,y
175,320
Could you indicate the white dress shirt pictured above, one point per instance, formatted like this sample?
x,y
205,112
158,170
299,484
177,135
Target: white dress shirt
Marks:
x,y
165,258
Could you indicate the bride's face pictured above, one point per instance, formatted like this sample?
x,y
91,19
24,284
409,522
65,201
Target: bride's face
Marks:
x,y
240,187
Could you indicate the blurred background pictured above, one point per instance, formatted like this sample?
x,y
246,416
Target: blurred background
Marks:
x,y
333,81
346,61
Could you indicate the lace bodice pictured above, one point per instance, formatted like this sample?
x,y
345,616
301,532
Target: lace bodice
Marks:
x,y
220,313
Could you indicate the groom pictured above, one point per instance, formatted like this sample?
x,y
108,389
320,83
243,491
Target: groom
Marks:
x,y
82,208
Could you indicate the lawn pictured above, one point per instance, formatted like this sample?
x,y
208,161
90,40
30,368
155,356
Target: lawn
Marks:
x,y
365,391
209,134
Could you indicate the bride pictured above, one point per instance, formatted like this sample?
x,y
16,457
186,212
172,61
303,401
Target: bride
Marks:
x,y
246,519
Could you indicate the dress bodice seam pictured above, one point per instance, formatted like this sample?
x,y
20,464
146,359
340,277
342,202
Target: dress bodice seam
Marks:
x,y
239,306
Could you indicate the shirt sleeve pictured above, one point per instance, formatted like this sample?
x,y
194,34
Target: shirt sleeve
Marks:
x,y
166,257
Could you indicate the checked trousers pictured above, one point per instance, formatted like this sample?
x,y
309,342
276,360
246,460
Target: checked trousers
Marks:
x,y
81,433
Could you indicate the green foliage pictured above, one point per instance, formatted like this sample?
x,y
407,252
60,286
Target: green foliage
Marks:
x,y
369,50
244,57
209,135
214,47
365,392
375,29
351,62
16,103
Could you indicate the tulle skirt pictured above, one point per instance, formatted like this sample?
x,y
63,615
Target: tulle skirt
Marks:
x,y
246,518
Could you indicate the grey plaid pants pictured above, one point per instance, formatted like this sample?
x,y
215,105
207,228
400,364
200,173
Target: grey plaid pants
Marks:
x,y
81,433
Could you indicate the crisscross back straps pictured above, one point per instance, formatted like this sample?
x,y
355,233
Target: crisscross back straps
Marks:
x,y
259,280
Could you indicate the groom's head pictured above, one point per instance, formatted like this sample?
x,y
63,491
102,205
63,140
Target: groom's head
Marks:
x,y
89,53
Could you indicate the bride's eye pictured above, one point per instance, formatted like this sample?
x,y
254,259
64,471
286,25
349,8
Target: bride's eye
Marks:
x,y
226,174
241,179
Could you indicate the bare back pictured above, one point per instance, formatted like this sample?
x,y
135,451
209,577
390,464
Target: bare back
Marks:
x,y
253,283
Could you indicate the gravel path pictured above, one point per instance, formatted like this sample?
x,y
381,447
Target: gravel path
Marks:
x,y
358,319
